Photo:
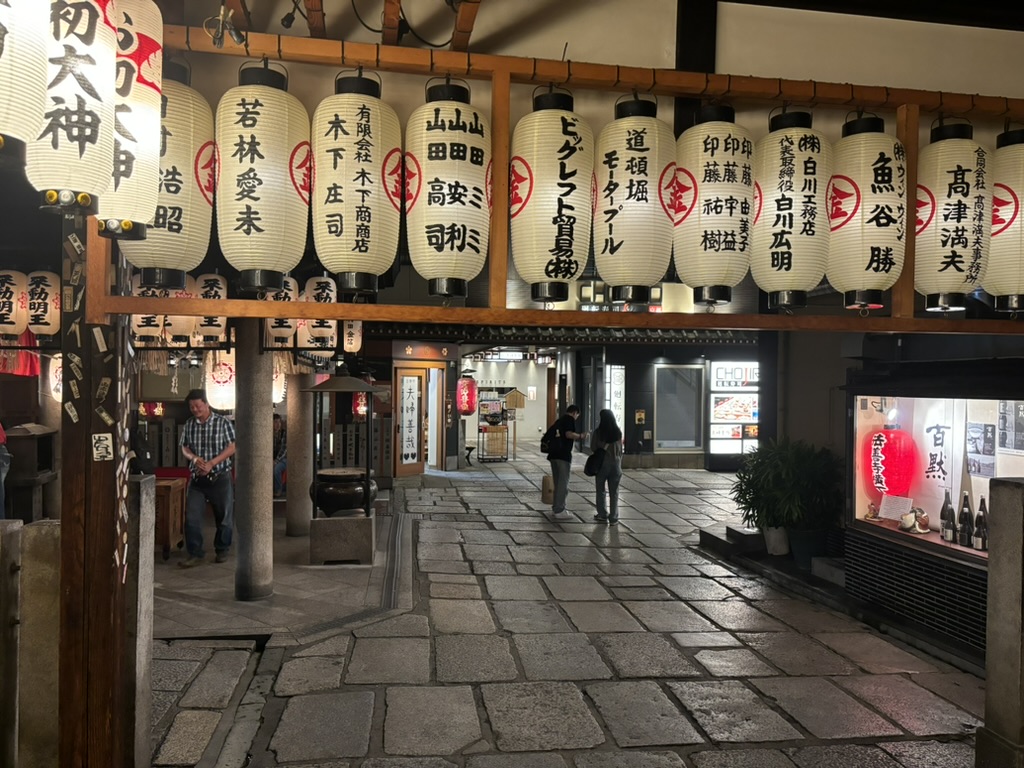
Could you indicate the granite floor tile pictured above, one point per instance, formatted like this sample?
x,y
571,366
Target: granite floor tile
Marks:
x,y
628,581
452,617
576,588
528,554
580,555
737,662
474,659
666,616
426,550
525,617
493,568
742,758
494,538
642,654
562,656
914,708
843,756
498,554
628,760
389,660
962,688
531,717
533,760
738,616
874,654
642,593
306,675
601,617
824,709
796,654
705,639
514,588
931,754
695,587
639,714
728,711
456,591
406,625
324,726
430,720
807,617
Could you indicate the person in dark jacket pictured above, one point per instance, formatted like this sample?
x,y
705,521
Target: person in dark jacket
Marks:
x,y
560,456
608,437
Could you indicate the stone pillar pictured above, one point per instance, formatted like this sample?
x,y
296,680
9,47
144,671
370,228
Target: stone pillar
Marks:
x,y
299,509
254,465
39,660
138,696
1000,743
50,415
10,580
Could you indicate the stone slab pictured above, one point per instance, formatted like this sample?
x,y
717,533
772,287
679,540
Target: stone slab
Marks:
x,y
180,651
705,639
738,616
914,708
530,717
843,756
344,539
494,553
824,709
430,720
456,591
474,659
874,654
629,760
528,554
562,656
213,686
521,616
389,660
728,711
495,538
306,675
461,617
533,760
406,625
494,568
576,588
514,588
601,617
966,690
806,617
172,675
438,551
188,738
641,654
796,654
928,754
324,726
738,662
742,758
668,616
333,646
408,762
639,714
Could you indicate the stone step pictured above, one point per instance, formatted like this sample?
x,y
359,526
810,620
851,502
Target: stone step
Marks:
x,y
745,539
831,569
715,539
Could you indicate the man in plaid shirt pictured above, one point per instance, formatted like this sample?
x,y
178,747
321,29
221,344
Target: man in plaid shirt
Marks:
x,y
208,443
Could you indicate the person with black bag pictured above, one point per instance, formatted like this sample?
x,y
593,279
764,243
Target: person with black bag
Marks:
x,y
561,436
606,444
208,443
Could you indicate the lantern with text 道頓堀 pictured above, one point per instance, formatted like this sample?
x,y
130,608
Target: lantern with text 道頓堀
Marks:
x,y
23,75
1004,276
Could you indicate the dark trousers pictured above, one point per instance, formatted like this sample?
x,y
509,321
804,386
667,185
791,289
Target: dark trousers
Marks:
x,y
221,496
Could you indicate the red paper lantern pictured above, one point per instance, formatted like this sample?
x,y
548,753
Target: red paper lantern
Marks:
x,y
466,395
889,461
359,403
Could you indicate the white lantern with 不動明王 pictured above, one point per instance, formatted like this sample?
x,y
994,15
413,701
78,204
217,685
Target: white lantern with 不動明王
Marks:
x,y
211,329
447,189
220,380
1004,276
265,177
954,218
790,240
281,330
13,302
551,196
867,211
179,329
146,328
23,75
352,336
321,349
43,293
322,290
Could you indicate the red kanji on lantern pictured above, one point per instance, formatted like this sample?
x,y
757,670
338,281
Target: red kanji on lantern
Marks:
x,y
466,395
889,461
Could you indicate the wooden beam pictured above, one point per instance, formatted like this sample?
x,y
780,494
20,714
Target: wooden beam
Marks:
x,y
501,97
315,18
240,16
172,11
389,23
464,21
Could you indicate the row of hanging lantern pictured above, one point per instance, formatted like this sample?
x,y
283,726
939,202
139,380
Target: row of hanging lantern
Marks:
x,y
29,302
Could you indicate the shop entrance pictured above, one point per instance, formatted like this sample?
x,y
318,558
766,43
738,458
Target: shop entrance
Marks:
x,y
419,418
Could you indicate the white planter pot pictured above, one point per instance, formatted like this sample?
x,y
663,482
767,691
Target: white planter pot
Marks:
x,y
776,541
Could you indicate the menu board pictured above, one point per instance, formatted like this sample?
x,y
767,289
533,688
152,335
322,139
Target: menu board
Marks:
x,y
1011,427
733,408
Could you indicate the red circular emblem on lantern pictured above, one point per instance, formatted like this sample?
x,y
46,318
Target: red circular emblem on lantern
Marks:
x,y
757,202
520,185
1005,208
300,166
925,208
889,462
466,395
206,168
664,181
391,172
843,196
680,193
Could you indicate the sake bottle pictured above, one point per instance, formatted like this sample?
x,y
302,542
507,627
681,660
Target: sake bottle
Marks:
x,y
947,519
966,522
980,540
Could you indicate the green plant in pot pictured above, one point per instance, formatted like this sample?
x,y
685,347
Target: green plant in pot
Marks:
x,y
795,486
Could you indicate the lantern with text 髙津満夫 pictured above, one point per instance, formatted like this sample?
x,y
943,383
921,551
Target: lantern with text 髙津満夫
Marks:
x,y
220,380
357,188
178,235
711,197
211,329
23,75
322,290
130,201
1004,276
264,178
43,291
466,394
71,158
889,462
954,220
632,222
352,336
179,329
867,211
13,302
789,247
281,330
147,329
447,189
551,196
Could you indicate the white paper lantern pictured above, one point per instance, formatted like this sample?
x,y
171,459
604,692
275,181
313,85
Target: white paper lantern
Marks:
x,y
265,177
322,290
130,200
211,329
71,158
147,328
711,196
13,302
1004,276
220,380
25,26
178,235
179,329
319,348
357,188
353,336
281,330
792,168
447,190
43,292
867,210
279,385
632,224
954,218
551,196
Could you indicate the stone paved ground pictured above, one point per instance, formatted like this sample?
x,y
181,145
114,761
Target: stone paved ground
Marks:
x,y
535,644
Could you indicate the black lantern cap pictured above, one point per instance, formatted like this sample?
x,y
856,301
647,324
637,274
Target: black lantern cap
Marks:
x,y
160,277
870,124
712,295
787,299
631,294
451,287
952,131
1009,138
715,113
260,280
176,71
1009,303
12,152
356,282
549,291
264,75
863,299
636,108
790,120
945,302
554,100
118,229
448,92
354,84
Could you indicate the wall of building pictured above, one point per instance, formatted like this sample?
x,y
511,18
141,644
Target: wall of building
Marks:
x,y
526,376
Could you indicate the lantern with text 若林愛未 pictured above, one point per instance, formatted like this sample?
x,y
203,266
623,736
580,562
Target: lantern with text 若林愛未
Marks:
x,y
25,26
147,329
43,292
357,188
178,234
179,329
867,211
211,329
322,290
70,160
889,462
264,179
789,246
711,197
130,201
1004,275
447,189
632,222
13,302
551,196
466,394
352,336
281,330
954,220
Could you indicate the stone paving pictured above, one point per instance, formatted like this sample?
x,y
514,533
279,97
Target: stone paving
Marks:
x,y
541,644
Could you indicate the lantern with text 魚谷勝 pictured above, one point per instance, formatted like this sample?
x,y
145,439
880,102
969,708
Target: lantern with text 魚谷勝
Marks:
x,y
1004,276
211,329
148,329
632,223
25,26
447,189
466,394
13,302
792,168
551,196
43,292
711,197
264,179
357,188
179,329
178,234
954,218
130,200
867,211
352,336
889,462
71,158
322,290
281,330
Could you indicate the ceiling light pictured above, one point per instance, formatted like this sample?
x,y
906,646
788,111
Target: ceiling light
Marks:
x,y
288,19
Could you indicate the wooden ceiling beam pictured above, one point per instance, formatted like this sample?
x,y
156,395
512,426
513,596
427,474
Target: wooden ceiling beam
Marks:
x,y
172,11
315,18
389,24
240,18
465,18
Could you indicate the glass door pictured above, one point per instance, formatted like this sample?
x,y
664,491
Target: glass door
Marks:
x,y
410,396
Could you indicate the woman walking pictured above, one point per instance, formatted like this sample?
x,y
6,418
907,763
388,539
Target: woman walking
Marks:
x,y
608,436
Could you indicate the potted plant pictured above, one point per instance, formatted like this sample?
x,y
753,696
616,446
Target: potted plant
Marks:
x,y
790,485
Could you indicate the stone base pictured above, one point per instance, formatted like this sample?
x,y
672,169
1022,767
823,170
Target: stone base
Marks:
x,y
993,751
342,539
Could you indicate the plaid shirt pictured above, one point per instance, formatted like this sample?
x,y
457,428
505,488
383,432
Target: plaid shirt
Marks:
x,y
207,440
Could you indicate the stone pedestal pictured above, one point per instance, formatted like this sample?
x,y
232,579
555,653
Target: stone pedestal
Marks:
x,y
138,700
10,583
342,539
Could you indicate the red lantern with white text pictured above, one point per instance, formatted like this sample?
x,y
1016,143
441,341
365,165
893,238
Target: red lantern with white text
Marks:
x,y
889,462
466,395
